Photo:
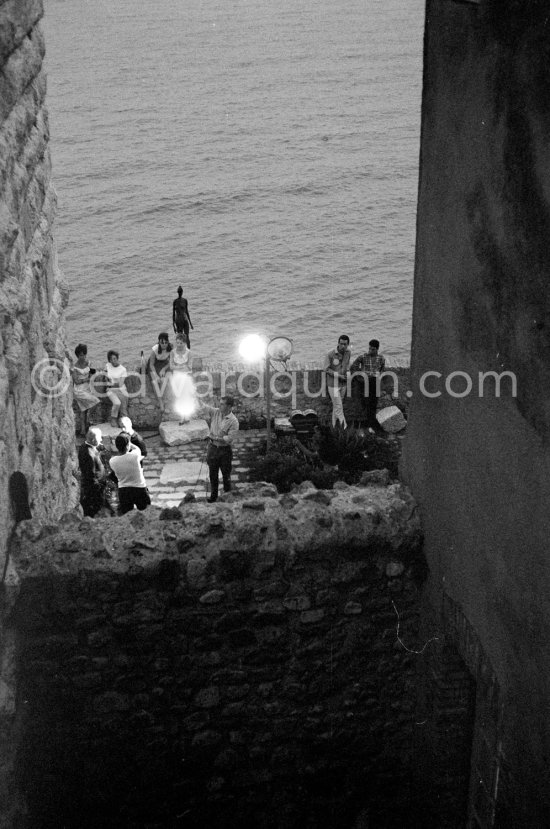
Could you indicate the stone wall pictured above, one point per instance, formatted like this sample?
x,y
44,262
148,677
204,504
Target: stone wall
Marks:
x,y
225,666
36,430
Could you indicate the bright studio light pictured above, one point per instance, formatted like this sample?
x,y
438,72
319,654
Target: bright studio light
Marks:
x,y
185,394
252,348
185,408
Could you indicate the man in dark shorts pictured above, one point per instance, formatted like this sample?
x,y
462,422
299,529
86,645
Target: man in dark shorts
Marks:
x,y
180,316
126,468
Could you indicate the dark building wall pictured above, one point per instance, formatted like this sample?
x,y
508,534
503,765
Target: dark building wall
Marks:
x,y
480,466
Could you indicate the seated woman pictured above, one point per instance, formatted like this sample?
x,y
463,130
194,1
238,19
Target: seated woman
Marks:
x,y
159,364
116,390
85,399
180,356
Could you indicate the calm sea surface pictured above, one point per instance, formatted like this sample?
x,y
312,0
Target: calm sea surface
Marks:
x,y
263,155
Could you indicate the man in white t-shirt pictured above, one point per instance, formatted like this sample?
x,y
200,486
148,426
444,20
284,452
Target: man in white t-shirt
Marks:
x,y
336,367
126,469
116,390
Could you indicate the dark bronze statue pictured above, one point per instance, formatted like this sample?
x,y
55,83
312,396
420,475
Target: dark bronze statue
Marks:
x,y
180,316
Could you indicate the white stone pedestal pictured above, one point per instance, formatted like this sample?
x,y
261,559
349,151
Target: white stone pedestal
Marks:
x,y
182,473
173,433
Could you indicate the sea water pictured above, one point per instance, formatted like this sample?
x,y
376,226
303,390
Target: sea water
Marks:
x,y
263,155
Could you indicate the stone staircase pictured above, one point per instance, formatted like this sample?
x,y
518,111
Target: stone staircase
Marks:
x,y
173,471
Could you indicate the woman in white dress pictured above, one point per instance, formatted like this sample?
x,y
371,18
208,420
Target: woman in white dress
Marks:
x,y
85,399
116,390
180,356
182,386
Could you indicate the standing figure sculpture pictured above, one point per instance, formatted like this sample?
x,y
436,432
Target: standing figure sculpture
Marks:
x,y
180,316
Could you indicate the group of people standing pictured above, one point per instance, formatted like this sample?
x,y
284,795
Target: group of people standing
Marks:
x,y
124,470
171,361
365,371
163,358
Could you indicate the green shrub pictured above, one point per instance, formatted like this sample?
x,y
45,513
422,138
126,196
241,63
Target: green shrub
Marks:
x,y
281,469
355,451
352,451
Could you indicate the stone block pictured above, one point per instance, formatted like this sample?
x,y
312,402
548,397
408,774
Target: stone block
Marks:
x,y
212,597
391,419
182,472
176,434
375,477
297,603
352,609
308,617
196,573
208,697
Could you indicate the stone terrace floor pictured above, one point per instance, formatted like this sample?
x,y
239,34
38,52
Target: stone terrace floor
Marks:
x,y
172,471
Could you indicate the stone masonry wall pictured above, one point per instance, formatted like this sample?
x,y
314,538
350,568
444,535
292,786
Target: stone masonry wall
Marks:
x,y
36,431
223,666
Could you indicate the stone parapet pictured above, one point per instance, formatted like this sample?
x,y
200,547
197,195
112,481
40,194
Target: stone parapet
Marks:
x,y
213,661
301,387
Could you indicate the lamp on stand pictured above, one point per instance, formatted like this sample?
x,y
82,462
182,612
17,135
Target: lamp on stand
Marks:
x,y
254,348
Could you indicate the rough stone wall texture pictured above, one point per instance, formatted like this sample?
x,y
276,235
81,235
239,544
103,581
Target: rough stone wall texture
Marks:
x,y
36,431
233,666
480,466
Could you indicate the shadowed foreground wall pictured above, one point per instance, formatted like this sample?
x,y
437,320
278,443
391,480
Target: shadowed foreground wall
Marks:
x,y
480,466
235,666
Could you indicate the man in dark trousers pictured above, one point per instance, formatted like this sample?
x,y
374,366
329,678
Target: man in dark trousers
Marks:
x,y
223,428
371,364
92,471
180,316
